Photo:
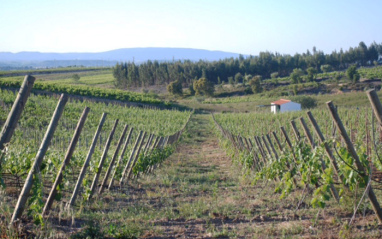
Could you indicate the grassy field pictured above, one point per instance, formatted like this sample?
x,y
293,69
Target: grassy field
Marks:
x,y
99,78
252,103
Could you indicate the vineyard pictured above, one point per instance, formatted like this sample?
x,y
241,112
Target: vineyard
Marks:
x,y
50,71
334,157
83,90
92,147
78,168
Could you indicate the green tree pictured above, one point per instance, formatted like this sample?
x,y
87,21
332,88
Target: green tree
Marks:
x,y
247,78
295,89
266,64
238,77
306,102
230,81
191,88
120,75
338,76
255,84
274,75
133,75
326,68
204,87
362,52
175,88
296,75
353,74
311,73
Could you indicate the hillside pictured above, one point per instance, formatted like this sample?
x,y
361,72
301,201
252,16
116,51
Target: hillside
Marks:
x,y
109,58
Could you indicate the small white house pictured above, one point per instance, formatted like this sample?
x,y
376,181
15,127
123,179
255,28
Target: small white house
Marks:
x,y
283,105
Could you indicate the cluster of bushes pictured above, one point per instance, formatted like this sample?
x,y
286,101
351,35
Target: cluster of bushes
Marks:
x,y
199,87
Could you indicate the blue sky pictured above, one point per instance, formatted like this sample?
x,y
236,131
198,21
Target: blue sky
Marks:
x,y
240,26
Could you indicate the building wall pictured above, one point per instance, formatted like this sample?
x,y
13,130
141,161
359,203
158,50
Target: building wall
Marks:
x,y
290,106
274,109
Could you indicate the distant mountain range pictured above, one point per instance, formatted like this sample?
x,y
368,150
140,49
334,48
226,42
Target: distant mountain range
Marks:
x,y
108,58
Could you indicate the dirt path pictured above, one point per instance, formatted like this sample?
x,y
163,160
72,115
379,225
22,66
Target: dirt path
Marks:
x,y
210,197
207,161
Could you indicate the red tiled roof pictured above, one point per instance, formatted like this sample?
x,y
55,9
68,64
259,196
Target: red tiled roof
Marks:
x,y
280,102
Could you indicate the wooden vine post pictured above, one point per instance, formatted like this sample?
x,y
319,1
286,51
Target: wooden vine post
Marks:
x,y
130,158
272,146
287,139
247,144
120,157
87,160
282,151
147,148
295,131
15,113
136,155
68,156
261,150
277,141
307,133
375,104
289,143
38,160
267,147
256,159
350,148
312,144
326,146
103,157
164,144
157,144
108,171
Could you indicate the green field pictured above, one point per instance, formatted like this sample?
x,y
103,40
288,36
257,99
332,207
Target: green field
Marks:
x,y
98,79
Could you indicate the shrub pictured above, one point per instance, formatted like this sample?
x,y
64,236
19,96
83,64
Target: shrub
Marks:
x,y
353,74
175,88
296,75
326,68
274,75
306,102
204,87
248,90
255,84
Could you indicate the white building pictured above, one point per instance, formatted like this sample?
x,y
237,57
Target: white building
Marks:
x,y
283,105
379,59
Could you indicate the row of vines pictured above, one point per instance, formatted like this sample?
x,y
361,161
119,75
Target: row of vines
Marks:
x,y
81,149
82,90
330,154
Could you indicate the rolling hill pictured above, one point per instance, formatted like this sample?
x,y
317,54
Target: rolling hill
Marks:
x,y
107,58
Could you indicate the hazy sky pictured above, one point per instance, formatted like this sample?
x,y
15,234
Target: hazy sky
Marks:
x,y
240,26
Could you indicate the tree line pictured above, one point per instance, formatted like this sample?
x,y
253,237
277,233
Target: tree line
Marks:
x,y
266,65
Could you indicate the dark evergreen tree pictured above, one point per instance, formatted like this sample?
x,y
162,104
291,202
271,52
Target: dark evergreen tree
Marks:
x,y
162,73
